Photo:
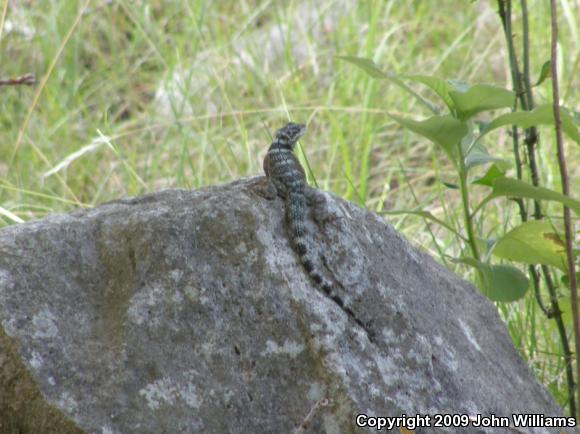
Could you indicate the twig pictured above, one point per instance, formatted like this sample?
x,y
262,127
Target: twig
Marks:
x,y
556,313
533,272
521,84
322,402
26,79
517,78
565,189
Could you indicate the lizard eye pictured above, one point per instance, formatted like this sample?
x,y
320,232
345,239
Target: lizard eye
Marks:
x,y
298,130
291,132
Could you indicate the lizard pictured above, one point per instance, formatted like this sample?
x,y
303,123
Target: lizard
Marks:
x,y
286,178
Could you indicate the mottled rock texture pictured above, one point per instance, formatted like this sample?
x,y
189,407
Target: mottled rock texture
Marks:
x,y
187,311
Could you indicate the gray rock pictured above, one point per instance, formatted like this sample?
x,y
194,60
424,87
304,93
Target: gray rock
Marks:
x,y
187,311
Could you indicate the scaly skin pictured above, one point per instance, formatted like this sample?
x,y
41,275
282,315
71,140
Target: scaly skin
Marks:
x,y
286,178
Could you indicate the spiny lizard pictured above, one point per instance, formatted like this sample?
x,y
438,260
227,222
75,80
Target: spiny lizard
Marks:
x,y
286,178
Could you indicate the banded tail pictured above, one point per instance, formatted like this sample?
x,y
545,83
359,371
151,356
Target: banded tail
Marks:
x,y
294,203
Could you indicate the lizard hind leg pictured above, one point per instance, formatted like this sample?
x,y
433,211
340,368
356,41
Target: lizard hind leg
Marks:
x,y
318,206
269,188
266,189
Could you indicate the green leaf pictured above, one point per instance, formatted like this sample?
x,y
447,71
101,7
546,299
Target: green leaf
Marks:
x,y
505,283
450,186
439,86
499,282
566,280
366,65
479,155
533,242
426,215
541,115
459,86
480,266
544,73
445,131
492,173
479,98
510,187
374,71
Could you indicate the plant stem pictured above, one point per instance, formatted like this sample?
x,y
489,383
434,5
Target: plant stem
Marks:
x,y
521,84
465,202
556,313
565,190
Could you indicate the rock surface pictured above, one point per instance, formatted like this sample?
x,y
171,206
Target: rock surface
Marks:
x,y
187,311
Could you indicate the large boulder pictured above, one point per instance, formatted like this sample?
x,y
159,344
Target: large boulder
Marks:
x,y
188,311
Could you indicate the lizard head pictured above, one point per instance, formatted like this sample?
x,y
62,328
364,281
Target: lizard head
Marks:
x,y
290,133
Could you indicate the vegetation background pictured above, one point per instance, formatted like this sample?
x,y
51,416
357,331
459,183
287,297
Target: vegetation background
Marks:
x,y
135,96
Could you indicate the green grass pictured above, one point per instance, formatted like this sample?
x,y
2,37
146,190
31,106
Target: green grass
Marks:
x,y
97,107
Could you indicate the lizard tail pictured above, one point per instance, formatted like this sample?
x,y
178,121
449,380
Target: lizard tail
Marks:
x,y
317,278
302,250
295,208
